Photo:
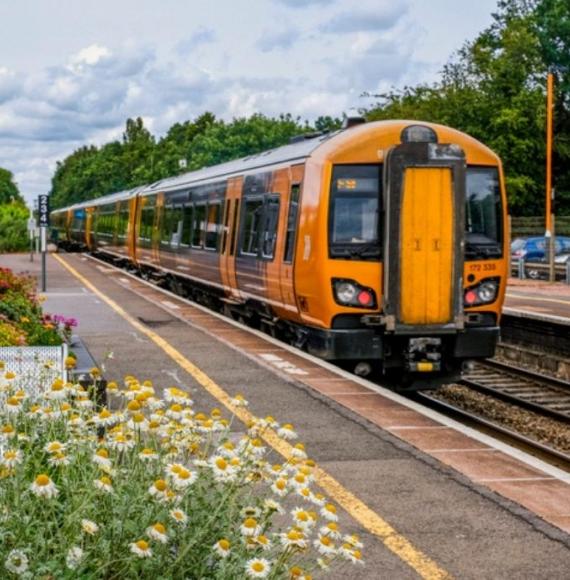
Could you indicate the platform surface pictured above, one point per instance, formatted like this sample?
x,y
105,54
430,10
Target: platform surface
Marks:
x,y
538,299
472,510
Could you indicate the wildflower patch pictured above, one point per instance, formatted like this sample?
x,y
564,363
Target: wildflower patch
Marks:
x,y
154,487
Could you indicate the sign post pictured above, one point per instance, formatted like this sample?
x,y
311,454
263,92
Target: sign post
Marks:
x,y
43,205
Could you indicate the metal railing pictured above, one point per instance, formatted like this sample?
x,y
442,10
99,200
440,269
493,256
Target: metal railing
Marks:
x,y
540,270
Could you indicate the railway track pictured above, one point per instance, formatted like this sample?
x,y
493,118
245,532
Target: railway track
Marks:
x,y
545,396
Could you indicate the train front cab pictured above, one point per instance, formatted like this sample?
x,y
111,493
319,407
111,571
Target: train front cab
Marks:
x,y
415,260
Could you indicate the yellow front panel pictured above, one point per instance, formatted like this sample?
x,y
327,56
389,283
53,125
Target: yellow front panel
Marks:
x,y
426,250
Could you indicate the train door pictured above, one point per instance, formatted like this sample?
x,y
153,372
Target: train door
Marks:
x,y
288,233
425,199
230,236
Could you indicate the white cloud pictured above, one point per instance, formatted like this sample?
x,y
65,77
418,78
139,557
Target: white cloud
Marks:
x,y
360,19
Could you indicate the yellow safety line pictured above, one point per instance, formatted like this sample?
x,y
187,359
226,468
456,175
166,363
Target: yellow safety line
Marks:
x,y
369,519
537,299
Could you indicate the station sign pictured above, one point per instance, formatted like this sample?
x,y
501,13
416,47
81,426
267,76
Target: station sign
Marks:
x,y
43,210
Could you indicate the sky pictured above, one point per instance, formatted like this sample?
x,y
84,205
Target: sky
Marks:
x,y
72,72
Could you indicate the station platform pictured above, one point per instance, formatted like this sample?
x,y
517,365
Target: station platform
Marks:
x,y
428,497
539,300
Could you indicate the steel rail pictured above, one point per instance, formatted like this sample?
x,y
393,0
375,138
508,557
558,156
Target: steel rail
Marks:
x,y
536,386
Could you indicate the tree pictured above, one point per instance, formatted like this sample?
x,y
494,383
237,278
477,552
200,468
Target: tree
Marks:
x,y
8,189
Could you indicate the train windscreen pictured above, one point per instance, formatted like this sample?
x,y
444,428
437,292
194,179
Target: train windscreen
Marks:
x,y
483,214
354,226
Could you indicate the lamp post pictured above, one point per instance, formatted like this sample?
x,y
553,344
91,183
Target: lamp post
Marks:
x,y
549,233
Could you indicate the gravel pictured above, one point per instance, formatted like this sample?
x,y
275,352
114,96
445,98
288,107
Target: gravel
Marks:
x,y
548,431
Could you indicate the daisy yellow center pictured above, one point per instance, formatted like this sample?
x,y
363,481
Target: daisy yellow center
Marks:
x,y
57,387
200,417
357,554
176,408
160,484
13,401
229,445
142,545
176,468
330,508
326,541
281,484
295,571
102,453
105,414
138,417
234,461
257,443
105,480
303,516
250,523
10,455
300,478
9,375
258,566
65,407
224,544
184,474
333,527
54,447
221,463
42,480
294,535
159,528
147,451
154,424
134,406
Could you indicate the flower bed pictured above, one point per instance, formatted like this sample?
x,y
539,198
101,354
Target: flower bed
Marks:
x,y
22,322
154,489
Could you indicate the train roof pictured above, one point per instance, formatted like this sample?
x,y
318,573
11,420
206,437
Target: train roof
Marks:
x,y
295,152
303,148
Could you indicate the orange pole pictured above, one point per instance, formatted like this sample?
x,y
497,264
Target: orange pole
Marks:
x,y
550,91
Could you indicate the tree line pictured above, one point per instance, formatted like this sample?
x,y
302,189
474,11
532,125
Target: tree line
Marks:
x,y
13,215
493,88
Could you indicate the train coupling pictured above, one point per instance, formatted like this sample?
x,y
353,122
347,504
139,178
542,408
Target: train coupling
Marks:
x,y
423,355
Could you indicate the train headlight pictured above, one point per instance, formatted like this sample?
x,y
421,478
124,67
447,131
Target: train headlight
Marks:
x,y
345,292
484,293
351,293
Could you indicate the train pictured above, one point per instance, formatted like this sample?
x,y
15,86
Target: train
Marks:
x,y
382,246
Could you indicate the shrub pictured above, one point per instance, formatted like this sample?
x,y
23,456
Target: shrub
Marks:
x,y
22,321
13,227
154,489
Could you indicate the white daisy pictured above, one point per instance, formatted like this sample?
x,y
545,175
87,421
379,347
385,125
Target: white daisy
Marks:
x,y
294,537
16,562
222,548
43,486
148,454
328,511
325,546
287,432
89,527
141,549
179,516
11,458
59,459
158,532
257,568
55,447
250,527
104,484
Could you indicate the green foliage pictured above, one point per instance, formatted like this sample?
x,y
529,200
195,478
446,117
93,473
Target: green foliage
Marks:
x,y
494,89
8,189
13,227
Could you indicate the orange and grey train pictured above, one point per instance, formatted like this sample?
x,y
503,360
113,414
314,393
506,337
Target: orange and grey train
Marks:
x,y
382,245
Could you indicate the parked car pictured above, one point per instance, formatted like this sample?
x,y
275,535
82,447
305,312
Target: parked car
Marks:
x,y
534,249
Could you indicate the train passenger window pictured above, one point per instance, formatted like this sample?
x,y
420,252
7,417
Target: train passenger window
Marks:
x,y
483,214
147,223
253,213
213,226
269,230
171,226
354,224
292,222
187,220
198,225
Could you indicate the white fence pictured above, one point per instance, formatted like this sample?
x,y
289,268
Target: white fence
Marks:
x,y
35,366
